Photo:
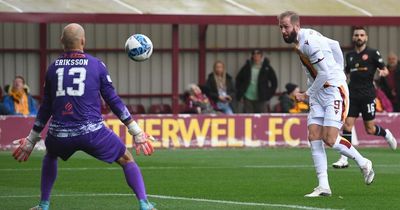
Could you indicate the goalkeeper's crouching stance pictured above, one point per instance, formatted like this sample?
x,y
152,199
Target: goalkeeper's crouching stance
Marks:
x,y
72,100
108,148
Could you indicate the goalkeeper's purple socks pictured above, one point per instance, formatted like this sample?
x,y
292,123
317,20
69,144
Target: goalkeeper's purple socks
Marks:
x,y
134,179
49,175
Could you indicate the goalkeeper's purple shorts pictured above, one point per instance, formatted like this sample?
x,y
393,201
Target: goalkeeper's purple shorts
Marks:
x,y
102,144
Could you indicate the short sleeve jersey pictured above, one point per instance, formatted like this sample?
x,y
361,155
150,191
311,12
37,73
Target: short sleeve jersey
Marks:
x,y
362,67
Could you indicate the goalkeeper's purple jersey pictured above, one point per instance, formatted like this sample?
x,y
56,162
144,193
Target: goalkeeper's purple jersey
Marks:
x,y
74,85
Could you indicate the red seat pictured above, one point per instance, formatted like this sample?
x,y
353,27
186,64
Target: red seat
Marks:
x,y
160,109
182,108
166,108
278,108
155,109
136,109
185,109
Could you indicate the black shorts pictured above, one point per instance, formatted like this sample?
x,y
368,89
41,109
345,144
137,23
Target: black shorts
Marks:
x,y
365,106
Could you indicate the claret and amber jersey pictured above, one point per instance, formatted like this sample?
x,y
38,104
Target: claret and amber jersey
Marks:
x,y
314,48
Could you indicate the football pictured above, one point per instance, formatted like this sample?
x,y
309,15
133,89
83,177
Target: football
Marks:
x,y
139,47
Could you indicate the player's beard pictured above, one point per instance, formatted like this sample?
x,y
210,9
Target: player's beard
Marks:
x,y
359,43
291,38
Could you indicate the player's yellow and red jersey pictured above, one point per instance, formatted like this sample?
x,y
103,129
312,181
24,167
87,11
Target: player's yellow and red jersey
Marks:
x,y
314,48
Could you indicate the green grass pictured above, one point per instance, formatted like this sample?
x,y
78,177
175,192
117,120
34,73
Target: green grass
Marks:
x,y
250,176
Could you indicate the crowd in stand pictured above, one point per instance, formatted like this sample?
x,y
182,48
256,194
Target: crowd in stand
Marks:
x,y
253,90
17,100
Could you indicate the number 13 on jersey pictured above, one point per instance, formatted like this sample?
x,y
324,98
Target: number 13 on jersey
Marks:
x,y
79,76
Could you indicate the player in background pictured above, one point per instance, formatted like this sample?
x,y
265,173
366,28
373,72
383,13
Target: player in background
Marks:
x,y
361,65
74,84
327,92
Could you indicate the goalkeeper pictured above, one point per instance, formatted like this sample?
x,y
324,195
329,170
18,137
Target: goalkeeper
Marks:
x,y
74,84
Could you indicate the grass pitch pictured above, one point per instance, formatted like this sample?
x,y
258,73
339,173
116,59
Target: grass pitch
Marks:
x,y
205,179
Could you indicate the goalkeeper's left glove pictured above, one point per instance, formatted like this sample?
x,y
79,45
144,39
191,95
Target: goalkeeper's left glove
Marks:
x,y
26,146
142,140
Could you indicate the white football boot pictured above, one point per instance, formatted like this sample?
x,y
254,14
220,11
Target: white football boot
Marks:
x,y
390,139
368,172
319,192
341,163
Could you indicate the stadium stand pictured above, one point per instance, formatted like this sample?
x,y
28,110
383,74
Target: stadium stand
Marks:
x,y
136,109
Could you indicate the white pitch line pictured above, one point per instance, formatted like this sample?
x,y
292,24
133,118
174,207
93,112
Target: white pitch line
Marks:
x,y
236,202
355,7
128,6
12,6
175,198
163,168
181,167
241,6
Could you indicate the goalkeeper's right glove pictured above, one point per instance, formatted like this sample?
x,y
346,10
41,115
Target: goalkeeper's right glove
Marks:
x,y
142,140
26,146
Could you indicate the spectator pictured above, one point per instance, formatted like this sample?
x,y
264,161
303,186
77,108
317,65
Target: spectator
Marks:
x,y
288,102
6,88
3,109
390,84
221,89
256,83
19,101
383,103
198,101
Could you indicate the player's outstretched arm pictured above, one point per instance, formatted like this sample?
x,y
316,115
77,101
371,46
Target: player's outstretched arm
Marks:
x,y
142,140
25,146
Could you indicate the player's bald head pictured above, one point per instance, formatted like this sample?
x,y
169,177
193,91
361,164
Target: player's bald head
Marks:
x,y
73,37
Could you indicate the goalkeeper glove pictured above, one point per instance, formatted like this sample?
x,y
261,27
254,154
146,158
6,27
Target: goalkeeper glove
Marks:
x,y
142,140
26,146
